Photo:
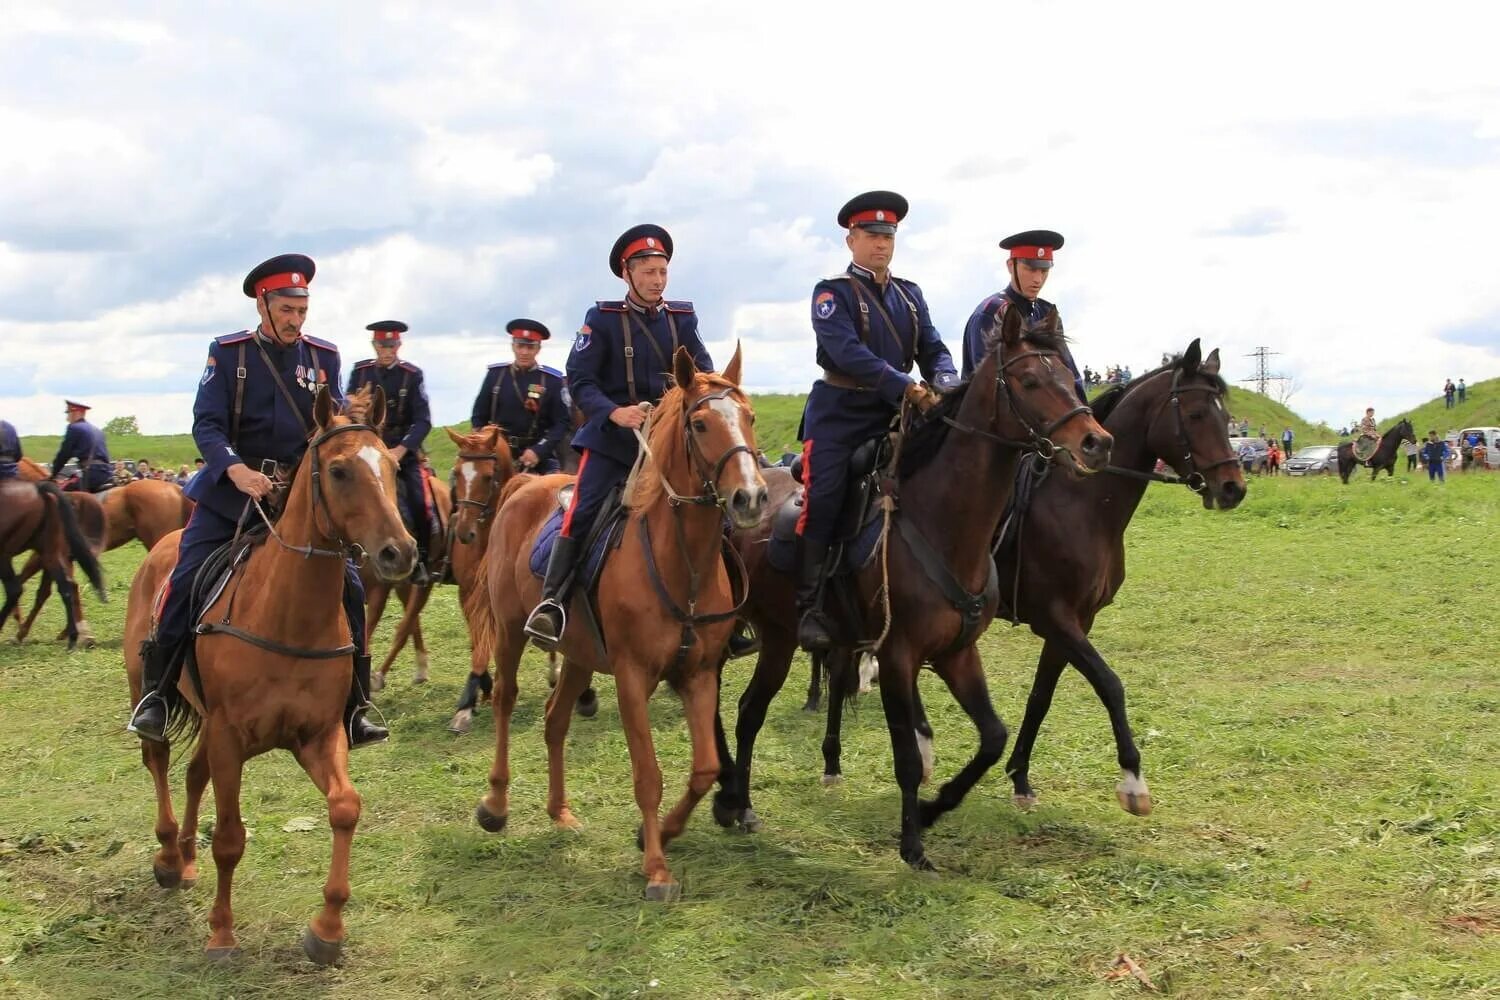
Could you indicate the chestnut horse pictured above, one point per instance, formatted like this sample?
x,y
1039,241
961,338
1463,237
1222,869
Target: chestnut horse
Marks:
x,y
932,591
143,508
273,668
37,516
378,591
666,604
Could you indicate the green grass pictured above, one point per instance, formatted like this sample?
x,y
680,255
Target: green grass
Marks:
x,y
1481,408
1312,680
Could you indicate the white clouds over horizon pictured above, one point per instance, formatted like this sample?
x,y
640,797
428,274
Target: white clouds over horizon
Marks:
x,y
1320,179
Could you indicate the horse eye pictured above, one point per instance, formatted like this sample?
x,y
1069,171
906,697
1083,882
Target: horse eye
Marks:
x,y
1029,381
339,472
699,426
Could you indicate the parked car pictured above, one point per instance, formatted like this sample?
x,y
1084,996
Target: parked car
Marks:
x,y
1256,460
1491,436
1313,460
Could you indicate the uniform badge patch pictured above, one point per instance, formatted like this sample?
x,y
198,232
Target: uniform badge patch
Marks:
x,y
208,371
584,338
824,304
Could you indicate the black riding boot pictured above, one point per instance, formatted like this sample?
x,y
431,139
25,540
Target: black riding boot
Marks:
x,y
813,630
547,621
419,575
742,641
149,720
361,731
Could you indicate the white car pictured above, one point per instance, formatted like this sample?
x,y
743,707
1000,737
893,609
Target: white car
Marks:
x,y
1491,437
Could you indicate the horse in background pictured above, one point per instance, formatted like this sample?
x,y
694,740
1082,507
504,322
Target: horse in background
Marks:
x,y
39,517
272,669
378,591
1385,452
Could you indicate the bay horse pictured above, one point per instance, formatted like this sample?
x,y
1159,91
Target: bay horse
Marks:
x,y
255,691
378,592
697,465
955,474
1385,452
145,509
36,516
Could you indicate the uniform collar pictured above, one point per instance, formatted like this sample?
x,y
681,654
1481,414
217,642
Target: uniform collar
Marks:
x,y
1032,306
648,311
866,273
269,341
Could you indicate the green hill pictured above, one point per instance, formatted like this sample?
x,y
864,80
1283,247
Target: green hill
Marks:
x,y
1481,408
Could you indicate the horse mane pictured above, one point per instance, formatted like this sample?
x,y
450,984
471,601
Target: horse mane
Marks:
x,y
669,454
1105,403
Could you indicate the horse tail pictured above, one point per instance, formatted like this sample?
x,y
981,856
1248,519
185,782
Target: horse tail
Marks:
x,y
78,546
478,610
841,669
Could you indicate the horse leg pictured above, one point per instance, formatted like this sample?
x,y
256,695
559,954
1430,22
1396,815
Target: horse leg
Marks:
x,y
1049,668
422,674
187,838
814,683
72,598
494,809
69,602
570,684
772,664
12,592
833,727
375,597
32,567
463,712
700,699
1134,796
168,864
963,672
633,693
729,790
226,765
898,683
327,764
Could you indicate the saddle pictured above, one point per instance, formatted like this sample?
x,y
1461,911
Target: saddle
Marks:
x,y
603,537
1364,447
858,531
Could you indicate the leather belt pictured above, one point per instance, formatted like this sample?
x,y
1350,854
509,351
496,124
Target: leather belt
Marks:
x,y
841,381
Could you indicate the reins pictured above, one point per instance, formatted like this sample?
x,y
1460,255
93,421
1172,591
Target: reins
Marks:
x,y
1195,479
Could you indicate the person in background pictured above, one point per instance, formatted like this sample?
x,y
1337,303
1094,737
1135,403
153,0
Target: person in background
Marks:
x,y
1273,458
1463,391
10,450
1286,441
182,475
1434,455
1410,448
1448,391
84,442
142,469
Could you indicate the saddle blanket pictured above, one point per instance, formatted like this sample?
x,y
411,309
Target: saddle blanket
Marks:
x,y
593,561
856,552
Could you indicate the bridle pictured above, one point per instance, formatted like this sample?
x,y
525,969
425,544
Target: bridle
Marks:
x,y
708,472
1195,479
1035,441
346,550
487,506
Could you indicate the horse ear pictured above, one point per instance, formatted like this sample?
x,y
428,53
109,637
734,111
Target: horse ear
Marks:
x,y
1192,357
455,437
376,416
491,438
731,374
1011,322
683,369
322,408
1210,364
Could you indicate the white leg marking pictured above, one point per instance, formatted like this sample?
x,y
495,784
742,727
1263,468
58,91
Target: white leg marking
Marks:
x,y
869,669
924,746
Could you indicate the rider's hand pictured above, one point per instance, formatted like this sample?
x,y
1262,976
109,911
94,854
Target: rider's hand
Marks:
x,y
529,459
249,482
628,416
921,397
398,453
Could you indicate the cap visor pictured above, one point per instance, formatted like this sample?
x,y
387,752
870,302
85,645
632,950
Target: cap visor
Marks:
x,y
293,292
1040,265
878,227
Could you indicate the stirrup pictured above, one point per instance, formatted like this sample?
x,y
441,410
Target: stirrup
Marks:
x,y
820,642
546,641
133,727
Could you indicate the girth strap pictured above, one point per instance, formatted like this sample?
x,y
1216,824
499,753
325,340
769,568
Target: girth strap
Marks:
x,y
211,628
970,607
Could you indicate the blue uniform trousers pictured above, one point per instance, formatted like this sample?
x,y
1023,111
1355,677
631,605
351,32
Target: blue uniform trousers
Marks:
x,y
205,532
412,498
835,422
597,475
93,479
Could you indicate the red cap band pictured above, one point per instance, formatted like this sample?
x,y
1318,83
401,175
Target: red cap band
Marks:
x,y
387,338
874,215
646,244
1031,253
521,333
276,282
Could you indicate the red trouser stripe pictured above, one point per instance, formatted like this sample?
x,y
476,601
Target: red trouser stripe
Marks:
x,y
567,525
807,447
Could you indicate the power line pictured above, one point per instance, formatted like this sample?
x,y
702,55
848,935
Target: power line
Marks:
x,y
1263,373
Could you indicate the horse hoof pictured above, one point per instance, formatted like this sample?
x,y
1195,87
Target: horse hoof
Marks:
x,y
377,682
725,816
1135,803
567,821
588,704
87,641
167,878
321,952
1025,803
664,892
921,865
487,820
221,954
811,705
829,780
422,668
750,823
461,722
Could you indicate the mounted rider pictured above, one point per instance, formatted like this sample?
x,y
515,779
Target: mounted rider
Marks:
x,y
408,420
1366,436
871,327
1030,262
85,442
253,414
528,401
10,451
621,357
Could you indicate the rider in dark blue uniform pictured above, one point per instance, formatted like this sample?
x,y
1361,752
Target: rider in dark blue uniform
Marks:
x,y
253,412
529,402
620,358
1030,262
10,450
85,442
407,421
871,327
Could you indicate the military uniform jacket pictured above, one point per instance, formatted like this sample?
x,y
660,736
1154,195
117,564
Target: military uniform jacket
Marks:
x,y
873,336
621,356
984,316
268,425
408,418
10,450
85,442
530,407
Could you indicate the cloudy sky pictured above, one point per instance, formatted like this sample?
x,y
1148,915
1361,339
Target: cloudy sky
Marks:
x,y
1321,179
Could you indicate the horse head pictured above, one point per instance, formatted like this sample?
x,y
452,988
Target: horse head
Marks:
x,y
480,471
352,480
1189,428
702,442
1406,431
1028,391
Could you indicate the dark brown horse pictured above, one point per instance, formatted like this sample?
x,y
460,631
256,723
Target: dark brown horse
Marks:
x,y
1385,452
274,660
665,600
34,516
956,473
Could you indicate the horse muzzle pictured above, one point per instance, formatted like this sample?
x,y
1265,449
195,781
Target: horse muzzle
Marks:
x,y
394,560
747,504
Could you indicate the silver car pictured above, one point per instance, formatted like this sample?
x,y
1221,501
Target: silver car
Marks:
x,y
1313,460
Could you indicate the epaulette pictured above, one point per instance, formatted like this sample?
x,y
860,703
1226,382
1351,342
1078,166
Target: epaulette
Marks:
x,y
367,362
234,338
500,364
841,276
552,371
321,344
408,366
613,306
679,307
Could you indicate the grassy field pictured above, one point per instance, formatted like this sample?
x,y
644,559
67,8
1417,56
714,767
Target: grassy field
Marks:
x,y
1312,678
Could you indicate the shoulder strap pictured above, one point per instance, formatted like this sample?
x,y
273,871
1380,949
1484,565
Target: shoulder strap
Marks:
x,y
495,397
860,297
909,352
285,392
629,357
239,398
